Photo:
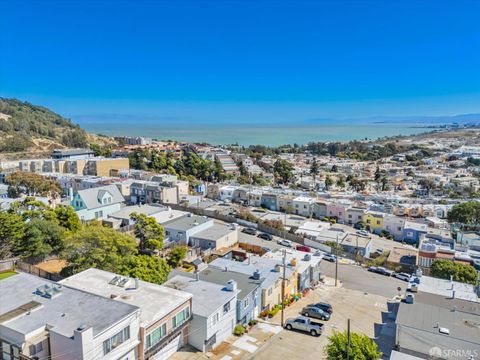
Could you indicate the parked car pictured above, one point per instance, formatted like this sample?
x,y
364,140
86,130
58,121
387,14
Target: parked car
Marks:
x,y
250,231
380,270
363,233
324,306
265,236
330,257
285,242
266,249
303,248
401,276
304,324
315,312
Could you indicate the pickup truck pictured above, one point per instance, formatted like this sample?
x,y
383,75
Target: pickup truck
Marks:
x,y
304,324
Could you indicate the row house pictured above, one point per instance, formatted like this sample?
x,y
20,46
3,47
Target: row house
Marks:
x,y
97,203
303,205
148,192
373,220
41,319
165,313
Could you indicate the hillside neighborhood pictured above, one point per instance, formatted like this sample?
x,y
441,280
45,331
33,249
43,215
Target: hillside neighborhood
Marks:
x,y
190,251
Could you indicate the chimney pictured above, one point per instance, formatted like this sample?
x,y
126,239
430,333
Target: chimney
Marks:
x,y
197,275
70,193
453,294
248,257
137,283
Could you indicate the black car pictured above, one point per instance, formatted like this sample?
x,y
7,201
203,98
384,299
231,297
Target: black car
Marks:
x,y
265,236
250,231
324,306
380,270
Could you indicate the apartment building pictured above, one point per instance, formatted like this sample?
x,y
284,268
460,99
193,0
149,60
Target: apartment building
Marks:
x,y
40,319
148,192
181,229
165,313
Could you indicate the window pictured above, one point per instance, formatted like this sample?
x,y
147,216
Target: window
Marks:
x,y
349,216
36,348
215,318
96,214
181,317
116,340
270,291
378,222
156,335
226,307
245,303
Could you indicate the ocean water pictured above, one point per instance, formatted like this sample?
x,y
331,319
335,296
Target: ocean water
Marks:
x,y
270,135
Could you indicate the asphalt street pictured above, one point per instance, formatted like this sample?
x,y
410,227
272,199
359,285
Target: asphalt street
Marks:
x,y
355,277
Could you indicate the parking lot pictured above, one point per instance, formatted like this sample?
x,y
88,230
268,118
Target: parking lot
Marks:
x,y
363,309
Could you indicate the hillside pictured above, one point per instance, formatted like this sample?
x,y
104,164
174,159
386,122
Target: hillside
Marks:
x,y
31,130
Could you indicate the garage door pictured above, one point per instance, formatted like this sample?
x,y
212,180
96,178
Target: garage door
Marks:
x,y
169,349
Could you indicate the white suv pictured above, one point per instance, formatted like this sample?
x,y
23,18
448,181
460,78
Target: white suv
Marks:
x,y
285,242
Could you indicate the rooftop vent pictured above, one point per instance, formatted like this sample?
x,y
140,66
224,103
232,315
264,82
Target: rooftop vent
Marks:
x,y
256,274
122,282
307,257
48,291
231,285
115,280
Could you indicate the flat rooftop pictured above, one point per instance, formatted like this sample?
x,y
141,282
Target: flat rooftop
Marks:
x,y
444,288
146,209
155,301
213,233
187,222
207,297
64,312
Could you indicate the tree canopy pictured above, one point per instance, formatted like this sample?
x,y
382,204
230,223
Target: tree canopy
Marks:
x,y
361,347
148,231
283,171
26,183
444,268
467,213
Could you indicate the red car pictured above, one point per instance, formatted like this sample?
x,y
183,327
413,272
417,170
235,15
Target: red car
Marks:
x,y
303,248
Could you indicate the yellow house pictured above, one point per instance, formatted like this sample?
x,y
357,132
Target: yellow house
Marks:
x,y
373,221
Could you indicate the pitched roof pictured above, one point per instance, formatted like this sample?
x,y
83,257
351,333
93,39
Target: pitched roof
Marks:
x,y
90,196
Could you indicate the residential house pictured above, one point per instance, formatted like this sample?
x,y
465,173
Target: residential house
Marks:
x,y
270,273
226,192
248,285
394,226
337,210
45,320
213,309
373,221
356,245
148,192
403,259
303,205
181,229
165,313
269,201
319,209
97,203
307,266
218,236
355,214
430,323
413,232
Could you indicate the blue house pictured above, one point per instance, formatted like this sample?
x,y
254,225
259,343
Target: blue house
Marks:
x,y
97,203
269,201
413,231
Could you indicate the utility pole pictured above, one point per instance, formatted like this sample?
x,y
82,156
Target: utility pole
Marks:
x,y
348,339
336,263
283,282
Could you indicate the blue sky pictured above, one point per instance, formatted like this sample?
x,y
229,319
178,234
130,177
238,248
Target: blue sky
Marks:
x,y
242,60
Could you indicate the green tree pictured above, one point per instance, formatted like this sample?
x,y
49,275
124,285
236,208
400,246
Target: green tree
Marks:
x,y
328,182
40,239
147,268
26,183
361,347
467,213
341,181
444,268
283,171
176,256
148,232
314,170
67,218
12,231
97,246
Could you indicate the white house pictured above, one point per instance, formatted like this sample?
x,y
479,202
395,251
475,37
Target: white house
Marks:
x,y
303,205
214,310
45,320
226,192
394,225
97,203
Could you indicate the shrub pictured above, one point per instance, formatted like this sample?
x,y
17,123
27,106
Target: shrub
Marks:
x,y
239,330
252,322
274,311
